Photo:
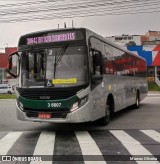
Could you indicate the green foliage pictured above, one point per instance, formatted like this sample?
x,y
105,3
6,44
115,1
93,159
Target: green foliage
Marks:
x,y
152,86
7,96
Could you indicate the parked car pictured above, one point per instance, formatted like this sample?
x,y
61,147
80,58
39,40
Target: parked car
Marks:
x,y
6,89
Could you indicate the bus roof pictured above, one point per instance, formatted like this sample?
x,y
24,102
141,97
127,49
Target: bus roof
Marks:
x,y
82,29
53,30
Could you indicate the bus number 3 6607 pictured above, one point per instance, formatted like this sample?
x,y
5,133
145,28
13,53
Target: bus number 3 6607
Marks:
x,y
56,105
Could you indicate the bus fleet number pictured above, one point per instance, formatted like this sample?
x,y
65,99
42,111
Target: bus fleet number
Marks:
x,y
54,105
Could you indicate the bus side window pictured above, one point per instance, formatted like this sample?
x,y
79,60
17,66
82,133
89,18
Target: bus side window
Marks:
x,y
97,62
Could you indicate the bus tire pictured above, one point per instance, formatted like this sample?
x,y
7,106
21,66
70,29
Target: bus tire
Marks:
x,y
9,92
106,119
136,105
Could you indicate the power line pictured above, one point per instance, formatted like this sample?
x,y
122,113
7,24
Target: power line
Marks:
x,y
71,16
80,13
70,2
58,8
84,7
21,4
31,3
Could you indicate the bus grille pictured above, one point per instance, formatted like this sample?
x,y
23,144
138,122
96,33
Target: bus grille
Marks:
x,y
46,110
47,93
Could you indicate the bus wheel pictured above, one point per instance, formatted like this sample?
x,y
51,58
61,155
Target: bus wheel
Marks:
x,y
9,92
106,119
136,105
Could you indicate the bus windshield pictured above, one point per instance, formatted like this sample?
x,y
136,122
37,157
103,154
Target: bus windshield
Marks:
x,y
63,66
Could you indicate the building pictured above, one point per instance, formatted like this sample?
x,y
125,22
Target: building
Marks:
x,y
4,64
146,46
123,40
150,38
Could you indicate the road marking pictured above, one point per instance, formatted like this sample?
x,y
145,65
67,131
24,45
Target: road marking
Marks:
x,y
89,147
152,134
133,146
44,146
7,141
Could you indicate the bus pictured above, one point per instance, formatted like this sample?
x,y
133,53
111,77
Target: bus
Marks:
x,y
74,75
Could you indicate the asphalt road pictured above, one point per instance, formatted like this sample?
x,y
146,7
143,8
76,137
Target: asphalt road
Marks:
x,y
133,136
146,117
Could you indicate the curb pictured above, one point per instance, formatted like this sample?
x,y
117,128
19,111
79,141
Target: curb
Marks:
x,y
7,99
153,92
153,95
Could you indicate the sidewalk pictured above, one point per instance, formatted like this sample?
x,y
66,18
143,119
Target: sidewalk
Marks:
x,y
154,93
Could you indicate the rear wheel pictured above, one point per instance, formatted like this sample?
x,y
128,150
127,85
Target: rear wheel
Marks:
x,y
9,92
136,105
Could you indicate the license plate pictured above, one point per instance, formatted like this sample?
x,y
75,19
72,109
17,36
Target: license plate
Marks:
x,y
45,115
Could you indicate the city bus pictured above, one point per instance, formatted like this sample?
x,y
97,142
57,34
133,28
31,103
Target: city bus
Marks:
x,y
74,75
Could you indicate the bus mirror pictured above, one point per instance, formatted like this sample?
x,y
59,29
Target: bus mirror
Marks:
x,y
10,64
13,67
97,63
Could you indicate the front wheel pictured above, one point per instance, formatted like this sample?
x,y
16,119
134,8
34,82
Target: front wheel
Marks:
x,y
106,119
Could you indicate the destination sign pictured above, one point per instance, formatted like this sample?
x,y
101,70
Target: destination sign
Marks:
x,y
60,37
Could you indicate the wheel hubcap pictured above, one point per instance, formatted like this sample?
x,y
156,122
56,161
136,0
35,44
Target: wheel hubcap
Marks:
x,y
107,113
137,101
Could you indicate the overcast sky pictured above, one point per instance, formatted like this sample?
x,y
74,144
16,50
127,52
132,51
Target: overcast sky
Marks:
x,y
110,25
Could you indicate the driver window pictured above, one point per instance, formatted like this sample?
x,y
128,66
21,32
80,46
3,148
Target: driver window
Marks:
x,y
97,62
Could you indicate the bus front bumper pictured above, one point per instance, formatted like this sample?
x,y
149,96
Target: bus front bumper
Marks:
x,y
82,114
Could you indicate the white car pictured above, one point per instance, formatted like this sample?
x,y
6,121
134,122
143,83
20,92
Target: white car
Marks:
x,y
6,89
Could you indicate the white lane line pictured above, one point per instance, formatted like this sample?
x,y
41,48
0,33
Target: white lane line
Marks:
x,y
89,147
152,134
44,146
7,141
133,146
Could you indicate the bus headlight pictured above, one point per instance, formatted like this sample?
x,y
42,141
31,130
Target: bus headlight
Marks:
x,y
83,101
20,105
74,107
17,93
80,103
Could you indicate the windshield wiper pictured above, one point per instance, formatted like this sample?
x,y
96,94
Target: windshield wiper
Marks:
x,y
59,57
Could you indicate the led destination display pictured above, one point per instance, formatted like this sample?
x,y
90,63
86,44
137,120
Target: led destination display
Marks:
x,y
51,38
47,37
